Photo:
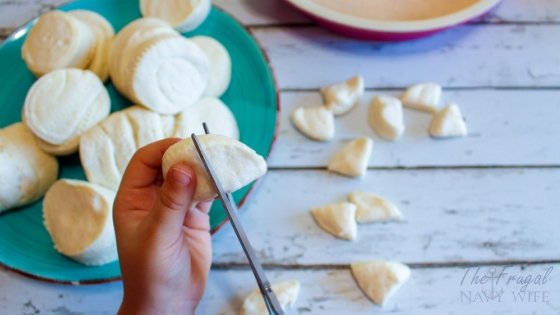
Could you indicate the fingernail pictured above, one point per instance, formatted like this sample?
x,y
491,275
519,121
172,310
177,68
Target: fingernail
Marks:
x,y
181,177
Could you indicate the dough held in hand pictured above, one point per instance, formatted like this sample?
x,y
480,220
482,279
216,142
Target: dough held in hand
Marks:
x,y
372,208
286,292
26,172
448,122
62,105
58,40
78,217
379,280
217,116
338,219
183,15
314,122
103,32
352,159
220,64
340,98
386,117
235,164
423,96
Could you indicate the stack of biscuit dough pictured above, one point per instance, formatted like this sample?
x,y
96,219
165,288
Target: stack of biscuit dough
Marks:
x,y
175,83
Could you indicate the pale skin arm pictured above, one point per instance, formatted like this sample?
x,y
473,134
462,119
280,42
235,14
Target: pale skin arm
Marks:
x,y
163,239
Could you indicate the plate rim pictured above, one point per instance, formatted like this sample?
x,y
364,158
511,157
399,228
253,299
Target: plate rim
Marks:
x,y
397,27
24,29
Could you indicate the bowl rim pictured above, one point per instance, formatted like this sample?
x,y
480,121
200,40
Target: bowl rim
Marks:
x,y
473,11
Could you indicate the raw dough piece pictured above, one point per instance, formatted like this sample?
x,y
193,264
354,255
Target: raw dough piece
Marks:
x,y
183,15
127,41
352,159
386,117
26,172
338,219
170,75
59,150
314,122
220,64
286,292
106,149
448,123
340,98
146,125
58,40
98,157
78,217
63,104
104,33
371,208
379,280
213,112
423,96
235,164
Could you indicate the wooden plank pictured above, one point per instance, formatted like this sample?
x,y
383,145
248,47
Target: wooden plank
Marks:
x,y
274,12
467,56
324,291
507,127
450,216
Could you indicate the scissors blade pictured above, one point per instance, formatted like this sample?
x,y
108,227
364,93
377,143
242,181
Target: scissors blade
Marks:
x,y
271,301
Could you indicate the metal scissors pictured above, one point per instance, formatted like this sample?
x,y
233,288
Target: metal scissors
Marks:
x,y
270,299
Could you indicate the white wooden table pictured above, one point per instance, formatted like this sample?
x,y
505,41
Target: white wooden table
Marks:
x,y
489,201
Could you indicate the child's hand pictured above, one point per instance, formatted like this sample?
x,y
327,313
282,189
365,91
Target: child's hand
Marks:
x,y
164,248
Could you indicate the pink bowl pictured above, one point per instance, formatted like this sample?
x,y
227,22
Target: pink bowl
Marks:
x,y
383,30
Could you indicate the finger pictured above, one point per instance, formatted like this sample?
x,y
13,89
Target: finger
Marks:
x,y
197,219
205,206
145,165
175,199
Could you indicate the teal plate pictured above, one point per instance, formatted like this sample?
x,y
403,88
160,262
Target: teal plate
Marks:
x,y
25,245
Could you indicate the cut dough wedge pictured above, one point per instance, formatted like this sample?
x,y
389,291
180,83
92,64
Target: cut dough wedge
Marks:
x,y
386,117
78,217
58,40
423,96
235,164
314,122
183,15
220,64
352,160
104,33
372,208
63,104
26,172
286,292
213,112
379,280
170,75
338,219
448,123
340,98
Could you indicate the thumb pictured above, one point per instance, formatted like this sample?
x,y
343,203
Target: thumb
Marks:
x,y
175,198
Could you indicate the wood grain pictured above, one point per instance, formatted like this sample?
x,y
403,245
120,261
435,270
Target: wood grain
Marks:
x,y
325,291
468,56
474,215
276,12
506,128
